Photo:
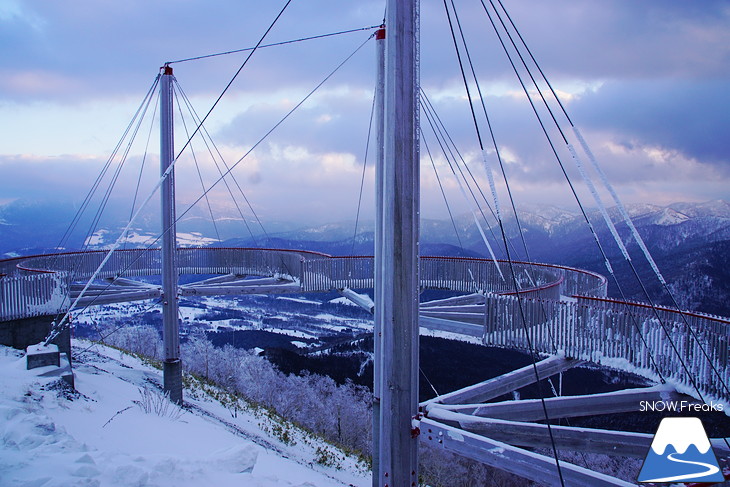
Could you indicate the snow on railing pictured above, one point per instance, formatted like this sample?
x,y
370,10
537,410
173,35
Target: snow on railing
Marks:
x,y
33,295
623,334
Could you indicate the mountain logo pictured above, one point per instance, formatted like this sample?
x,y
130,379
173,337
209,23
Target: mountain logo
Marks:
x,y
680,451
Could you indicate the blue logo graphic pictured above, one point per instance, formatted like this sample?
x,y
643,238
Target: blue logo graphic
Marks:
x,y
680,452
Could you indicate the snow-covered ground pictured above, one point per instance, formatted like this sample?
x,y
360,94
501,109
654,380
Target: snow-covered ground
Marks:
x,y
104,239
100,436
301,319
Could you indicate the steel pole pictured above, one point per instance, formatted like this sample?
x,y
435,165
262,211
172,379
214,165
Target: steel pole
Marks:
x,y
399,279
172,369
379,167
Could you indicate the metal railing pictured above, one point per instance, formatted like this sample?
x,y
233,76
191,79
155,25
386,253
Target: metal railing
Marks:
x,y
630,336
33,295
625,335
315,272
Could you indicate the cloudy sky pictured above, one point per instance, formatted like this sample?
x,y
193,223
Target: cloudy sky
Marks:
x,y
646,82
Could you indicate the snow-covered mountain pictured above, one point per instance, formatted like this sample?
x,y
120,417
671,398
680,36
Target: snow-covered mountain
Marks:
x,y
689,241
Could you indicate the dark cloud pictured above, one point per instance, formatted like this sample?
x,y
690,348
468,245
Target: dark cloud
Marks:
x,y
117,46
646,81
109,47
687,116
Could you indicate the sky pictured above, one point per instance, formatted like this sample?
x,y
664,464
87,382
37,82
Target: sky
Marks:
x,y
645,82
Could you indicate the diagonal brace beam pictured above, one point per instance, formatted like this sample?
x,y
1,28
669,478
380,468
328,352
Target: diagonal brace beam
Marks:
x,y
506,383
627,400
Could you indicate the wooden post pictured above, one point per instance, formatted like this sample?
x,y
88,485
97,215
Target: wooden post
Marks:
x,y
398,283
172,370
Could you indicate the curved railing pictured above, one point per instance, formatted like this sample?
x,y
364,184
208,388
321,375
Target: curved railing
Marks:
x,y
630,336
625,335
322,272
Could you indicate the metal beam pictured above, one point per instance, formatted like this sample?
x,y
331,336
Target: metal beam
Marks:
x,y
117,297
526,464
466,308
451,326
475,298
77,288
398,281
121,281
263,281
588,440
283,288
464,317
362,300
218,279
511,381
569,406
519,433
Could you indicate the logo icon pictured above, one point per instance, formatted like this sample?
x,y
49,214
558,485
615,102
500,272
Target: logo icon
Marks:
x,y
680,451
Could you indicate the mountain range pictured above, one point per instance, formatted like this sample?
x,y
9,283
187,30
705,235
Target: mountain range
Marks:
x,y
689,241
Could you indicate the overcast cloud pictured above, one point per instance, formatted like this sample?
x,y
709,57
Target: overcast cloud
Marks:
x,y
646,82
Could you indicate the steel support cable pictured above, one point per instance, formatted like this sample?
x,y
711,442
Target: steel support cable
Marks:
x,y
517,51
595,236
115,177
575,195
362,178
449,141
570,147
230,83
441,187
272,129
494,142
197,167
107,164
93,301
487,167
615,234
429,382
57,329
139,117
450,151
144,158
520,305
208,140
282,43
475,207
614,195
117,172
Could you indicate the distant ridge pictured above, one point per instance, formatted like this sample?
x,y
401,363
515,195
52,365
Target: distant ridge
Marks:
x,y
689,241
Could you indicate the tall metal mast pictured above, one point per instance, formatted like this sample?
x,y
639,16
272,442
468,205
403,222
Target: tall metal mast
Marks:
x,y
172,370
397,279
379,167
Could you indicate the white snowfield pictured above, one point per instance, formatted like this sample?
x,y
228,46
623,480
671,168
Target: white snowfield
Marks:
x,y
51,437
